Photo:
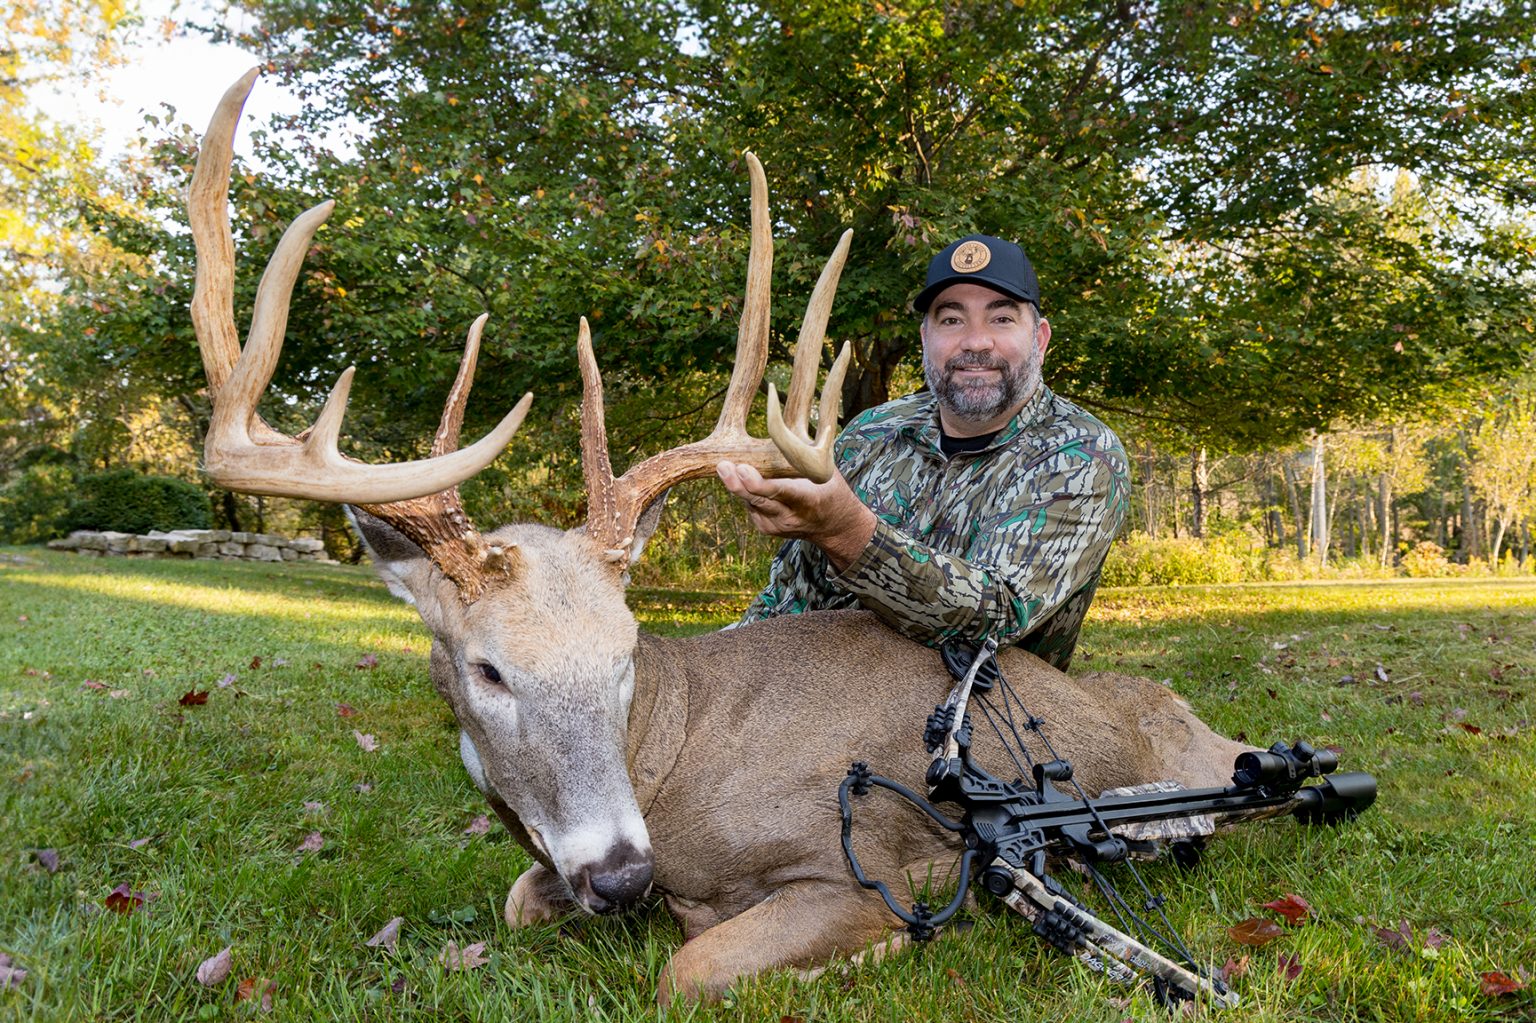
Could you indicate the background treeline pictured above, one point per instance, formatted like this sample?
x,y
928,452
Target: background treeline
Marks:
x,y
1286,247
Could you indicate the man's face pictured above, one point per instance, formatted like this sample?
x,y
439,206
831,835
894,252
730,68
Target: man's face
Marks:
x,y
982,355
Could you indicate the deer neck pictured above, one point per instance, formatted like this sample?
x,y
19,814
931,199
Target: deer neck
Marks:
x,y
658,716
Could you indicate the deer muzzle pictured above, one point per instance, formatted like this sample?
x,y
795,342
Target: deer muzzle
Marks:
x,y
617,881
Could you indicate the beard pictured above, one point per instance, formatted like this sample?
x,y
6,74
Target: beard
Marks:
x,y
979,401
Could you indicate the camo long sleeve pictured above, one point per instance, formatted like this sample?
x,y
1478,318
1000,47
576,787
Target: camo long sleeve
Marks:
x,y
988,543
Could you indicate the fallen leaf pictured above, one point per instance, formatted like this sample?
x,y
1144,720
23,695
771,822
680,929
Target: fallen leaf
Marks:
x,y
123,899
1234,968
1326,716
48,859
1254,931
251,987
1433,938
11,975
1290,966
344,710
314,806
367,742
193,698
1469,728
479,826
139,843
953,975
398,986
313,842
227,681
91,683
1381,674
215,969
469,958
1400,939
1293,907
363,787
279,662
388,935
1497,985
367,661
118,694
255,662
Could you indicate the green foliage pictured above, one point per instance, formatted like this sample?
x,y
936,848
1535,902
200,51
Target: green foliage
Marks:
x,y
126,501
34,504
1426,560
1142,560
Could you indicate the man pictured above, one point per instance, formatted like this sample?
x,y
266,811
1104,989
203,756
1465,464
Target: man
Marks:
x,y
982,506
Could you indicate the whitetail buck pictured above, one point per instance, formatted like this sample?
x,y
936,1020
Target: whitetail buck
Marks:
x,y
703,769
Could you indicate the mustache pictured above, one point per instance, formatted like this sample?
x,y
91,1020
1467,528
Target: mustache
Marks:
x,y
975,360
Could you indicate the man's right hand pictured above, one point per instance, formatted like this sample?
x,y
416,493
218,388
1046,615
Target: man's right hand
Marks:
x,y
827,514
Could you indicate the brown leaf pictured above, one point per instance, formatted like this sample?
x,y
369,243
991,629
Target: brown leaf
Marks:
x,y
1497,985
1293,907
1234,968
1290,966
215,969
469,958
313,842
255,662
367,742
123,899
91,683
1433,938
954,975
367,662
479,826
387,936
1400,939
251,987
193,698
1469,728
344,710
11,975
118,694
48,859
1254,931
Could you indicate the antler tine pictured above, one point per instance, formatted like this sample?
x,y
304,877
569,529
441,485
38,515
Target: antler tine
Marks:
x,y
241,451
752,333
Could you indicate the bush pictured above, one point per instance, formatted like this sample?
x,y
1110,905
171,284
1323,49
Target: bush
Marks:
x,y
1426,560
125,501
1142,560
33,506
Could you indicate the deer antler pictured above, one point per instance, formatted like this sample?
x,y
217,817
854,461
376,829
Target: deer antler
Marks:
x,y
242,452
614,505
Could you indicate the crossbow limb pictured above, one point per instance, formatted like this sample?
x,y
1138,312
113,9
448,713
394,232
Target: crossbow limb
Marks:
x,y
1013,829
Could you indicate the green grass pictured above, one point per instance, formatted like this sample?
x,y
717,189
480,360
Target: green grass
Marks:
x,y
220,792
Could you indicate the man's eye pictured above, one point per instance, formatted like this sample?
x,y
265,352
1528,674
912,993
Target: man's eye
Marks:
x,y
490,674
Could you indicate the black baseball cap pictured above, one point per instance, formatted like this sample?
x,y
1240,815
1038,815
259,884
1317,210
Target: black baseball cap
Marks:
x,y
981,259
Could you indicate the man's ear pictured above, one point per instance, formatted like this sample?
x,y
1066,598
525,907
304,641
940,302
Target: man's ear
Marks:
x,y
404,567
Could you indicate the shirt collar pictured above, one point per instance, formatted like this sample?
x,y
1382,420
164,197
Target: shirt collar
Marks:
x,y
922,423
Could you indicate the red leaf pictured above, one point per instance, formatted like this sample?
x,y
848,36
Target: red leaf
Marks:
x,y
344,710
91,683
1234,968
255,662
215,969
367,661
1470,728
1293,907
1290,966
1400,939
193,698
1254,931
250,987
1497,985
123,899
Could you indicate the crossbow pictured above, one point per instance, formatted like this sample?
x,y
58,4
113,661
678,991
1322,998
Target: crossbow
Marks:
x,y
1014,829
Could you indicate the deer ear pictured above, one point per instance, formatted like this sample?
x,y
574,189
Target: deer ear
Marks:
x,y
404,567
649,520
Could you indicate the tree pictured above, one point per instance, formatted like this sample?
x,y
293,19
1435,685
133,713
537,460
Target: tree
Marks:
x,y
1502,468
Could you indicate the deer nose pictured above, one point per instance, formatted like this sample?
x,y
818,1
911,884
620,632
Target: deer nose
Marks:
x,y
618,881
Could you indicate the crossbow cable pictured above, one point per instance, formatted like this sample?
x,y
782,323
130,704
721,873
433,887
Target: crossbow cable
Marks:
x,y
1013,829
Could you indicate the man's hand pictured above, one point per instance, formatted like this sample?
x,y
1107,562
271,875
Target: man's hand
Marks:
x,y
827,514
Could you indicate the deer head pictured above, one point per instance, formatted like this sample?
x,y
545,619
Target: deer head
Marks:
x,y
533,643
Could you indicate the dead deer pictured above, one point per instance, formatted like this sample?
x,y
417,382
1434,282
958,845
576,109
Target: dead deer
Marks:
x,y
703,769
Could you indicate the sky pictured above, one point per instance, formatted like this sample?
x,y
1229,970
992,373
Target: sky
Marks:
x,y
185,71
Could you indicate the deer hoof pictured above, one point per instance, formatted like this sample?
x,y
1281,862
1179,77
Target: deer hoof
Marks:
x,y
537,897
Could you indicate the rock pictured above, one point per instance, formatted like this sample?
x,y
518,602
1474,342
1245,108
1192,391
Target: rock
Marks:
x,y
217,535
65,543
305,545
243,537
288,553
151,544
184,545
268,540
262,552
91,541
231,549
207,549
121,543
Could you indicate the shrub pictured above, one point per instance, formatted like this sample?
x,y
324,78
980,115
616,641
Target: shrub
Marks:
x,y
34,504
1426,560
125,501
1142,560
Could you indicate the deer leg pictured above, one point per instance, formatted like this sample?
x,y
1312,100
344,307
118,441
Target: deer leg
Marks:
x,y
537,896
802,924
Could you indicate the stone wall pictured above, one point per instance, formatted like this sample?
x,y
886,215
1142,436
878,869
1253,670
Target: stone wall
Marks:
x,y
192,543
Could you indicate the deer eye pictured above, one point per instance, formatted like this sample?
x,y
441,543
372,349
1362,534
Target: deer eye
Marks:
x,y
489,673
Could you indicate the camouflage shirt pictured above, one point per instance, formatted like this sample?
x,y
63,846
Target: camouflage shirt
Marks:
x,y
980,543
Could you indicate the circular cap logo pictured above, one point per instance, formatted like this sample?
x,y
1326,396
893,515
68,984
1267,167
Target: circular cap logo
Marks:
x,y
970,257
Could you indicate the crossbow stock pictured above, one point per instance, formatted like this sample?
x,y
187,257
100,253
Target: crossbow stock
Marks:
x,y
1013,829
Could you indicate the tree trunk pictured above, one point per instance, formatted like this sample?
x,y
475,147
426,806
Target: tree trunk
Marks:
x,y
1149,488
1293,491
1199,483
869,378
1467,549
1384,507
1319,501
231,506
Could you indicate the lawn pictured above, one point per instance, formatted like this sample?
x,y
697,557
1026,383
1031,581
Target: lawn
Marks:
x,y
260,820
